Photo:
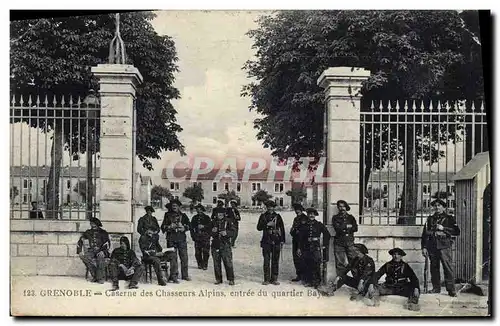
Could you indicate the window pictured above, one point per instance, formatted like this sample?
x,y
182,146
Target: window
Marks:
x,y
68,198
426,203
238,187
68,184
385,203
226,186
397,204
385,188
278,187
255,186
254,202
368,203
451,203
214,186
451,189
25,184
281,201
426,189
31,184
214,200
174,186
25,198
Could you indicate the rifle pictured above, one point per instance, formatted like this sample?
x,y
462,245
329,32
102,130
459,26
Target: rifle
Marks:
x,y
426,274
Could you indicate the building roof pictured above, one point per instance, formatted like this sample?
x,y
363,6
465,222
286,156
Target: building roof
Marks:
x,y
43,171
235,174
471,169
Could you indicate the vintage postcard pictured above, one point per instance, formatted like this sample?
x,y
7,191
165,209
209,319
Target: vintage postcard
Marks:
x,y
250,163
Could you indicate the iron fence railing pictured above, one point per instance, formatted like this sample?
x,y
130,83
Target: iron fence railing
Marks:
x,y
54,160
409,152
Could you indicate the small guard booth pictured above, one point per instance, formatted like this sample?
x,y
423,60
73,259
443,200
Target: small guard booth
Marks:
x,y
472,209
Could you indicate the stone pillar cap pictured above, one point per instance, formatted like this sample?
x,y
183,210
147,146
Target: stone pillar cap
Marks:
x,y
117,70
342,73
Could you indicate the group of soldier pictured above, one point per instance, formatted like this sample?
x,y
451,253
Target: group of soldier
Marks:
x,y
216,234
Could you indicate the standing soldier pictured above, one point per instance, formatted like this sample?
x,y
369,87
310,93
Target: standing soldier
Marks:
x,y
175,225
234,214
310,248
93,249
345,226
361,268
124,262
222,230
147,221
152,253
400,280
299,220
200,233
273,238
437,242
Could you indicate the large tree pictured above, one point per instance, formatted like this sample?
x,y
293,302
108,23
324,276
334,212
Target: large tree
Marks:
x,y
228,196
411,55
52,57
194,192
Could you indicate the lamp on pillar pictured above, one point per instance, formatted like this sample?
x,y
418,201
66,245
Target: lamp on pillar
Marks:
x,y
117,47
91,101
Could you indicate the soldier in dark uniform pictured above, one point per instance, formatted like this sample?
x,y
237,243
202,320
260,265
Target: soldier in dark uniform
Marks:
x,y
125,263
148,220
400,280
345,226
234,214
437,242
200,233
152,253
175,224
222,229
300,219
35,212
93,249
273,238
310,248
362,268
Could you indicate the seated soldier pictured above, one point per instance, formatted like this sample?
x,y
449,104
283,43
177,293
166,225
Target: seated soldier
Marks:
x,y
125,264
35,212
361,268
152,253
93,249
400,280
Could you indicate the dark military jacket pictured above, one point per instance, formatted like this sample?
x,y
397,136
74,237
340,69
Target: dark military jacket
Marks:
x,y
146,222
271,235
397,274
147,243
223,223
309,235
34,214
297,222
219,212
433,239
98,240
125,257
361,268
344,225
175,225
197,234
234,214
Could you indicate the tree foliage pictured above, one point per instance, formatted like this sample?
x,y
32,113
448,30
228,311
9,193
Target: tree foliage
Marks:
x,y
14,192
297,194
228,196
261,196
375,193
159,192
194,192
441,194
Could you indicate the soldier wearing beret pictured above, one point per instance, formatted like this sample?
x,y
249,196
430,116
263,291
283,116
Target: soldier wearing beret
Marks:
x,y
175,225
400,280
125,263
93,249
147,221
311,250
436,244
300,219
273,238
362,268
345,226
222,229
200,233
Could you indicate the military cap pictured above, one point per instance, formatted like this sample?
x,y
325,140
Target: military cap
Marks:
x,y
149,208
233,202
312,210
200,206
96,221
438,201
297,207
341,201
270,203
361,247
397,251
220,202
175,201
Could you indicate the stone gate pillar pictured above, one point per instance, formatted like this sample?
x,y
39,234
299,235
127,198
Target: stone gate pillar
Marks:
x,y
118,84
341,85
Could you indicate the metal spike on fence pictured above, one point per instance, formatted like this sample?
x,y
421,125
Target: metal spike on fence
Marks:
x,y
481,108
38,100
63,101
13,100
71,100
55,100
29,100
45,100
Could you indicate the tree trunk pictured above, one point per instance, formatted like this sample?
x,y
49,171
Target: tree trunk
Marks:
x,y
90,182
53,191
408,209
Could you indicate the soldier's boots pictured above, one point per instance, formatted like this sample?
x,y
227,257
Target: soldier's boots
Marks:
x,y
435,290
356,297
187,278
133,285
296,279
218,282
115,286
162,282
275,283
412,306
231,282
452,293
265,283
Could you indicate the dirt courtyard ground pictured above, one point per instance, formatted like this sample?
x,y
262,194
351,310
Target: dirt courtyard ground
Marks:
x,y
43,295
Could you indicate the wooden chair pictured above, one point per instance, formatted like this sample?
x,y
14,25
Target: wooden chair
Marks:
x,y
148,270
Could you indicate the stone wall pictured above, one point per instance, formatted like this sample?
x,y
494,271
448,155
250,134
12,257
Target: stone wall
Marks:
x,y
43,247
